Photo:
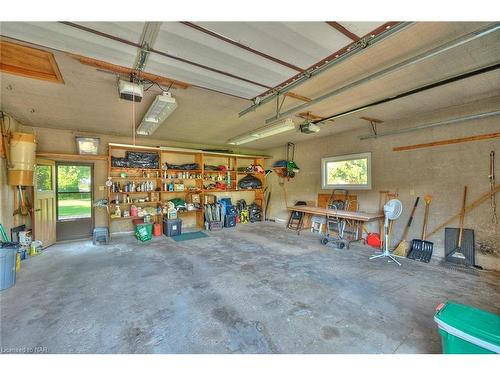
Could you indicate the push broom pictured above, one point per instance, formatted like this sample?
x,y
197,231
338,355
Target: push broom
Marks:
x,y
403,247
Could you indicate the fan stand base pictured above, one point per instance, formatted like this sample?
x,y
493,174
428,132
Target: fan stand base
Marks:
x,y
386,254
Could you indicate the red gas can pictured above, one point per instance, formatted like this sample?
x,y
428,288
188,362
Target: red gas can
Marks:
x,y
157,230
373,239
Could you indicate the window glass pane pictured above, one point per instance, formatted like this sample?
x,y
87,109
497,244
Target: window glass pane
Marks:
x,y
43,177
73,178
73,205
347,172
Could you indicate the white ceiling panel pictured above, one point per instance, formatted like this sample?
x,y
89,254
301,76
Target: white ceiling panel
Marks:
x,y
361,28
130,31
299,43
69,39
183,41
164,66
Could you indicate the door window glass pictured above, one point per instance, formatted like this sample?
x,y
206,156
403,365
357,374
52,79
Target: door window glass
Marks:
x,y
74,192
43,177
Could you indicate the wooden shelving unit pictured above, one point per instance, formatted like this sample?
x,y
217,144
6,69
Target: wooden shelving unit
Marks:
x,y
177,157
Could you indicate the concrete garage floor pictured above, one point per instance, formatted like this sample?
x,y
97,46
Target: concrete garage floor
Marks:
x,y
257,288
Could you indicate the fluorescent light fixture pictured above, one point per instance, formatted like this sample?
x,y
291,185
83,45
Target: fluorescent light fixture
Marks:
x,y
160,109
263,132
87,145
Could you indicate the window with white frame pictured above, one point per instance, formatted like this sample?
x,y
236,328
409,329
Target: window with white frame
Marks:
x,y
347,172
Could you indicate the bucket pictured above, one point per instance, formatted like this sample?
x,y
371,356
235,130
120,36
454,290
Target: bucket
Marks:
x,y
156,230
22,159
36,248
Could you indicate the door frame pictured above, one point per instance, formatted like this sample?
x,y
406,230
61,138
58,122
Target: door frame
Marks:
x,y
92,211
51,163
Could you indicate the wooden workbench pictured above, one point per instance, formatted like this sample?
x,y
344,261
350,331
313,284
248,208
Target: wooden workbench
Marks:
x,y
358,217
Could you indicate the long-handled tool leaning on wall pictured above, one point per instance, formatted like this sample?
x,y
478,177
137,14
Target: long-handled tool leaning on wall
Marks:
x,y
491,176
421,249
457,251
404,246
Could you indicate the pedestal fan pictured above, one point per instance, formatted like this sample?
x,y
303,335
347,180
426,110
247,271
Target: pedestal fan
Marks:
x,y
392,210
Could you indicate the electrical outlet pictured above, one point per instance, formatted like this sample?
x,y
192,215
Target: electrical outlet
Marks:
x,y
412,192
101,188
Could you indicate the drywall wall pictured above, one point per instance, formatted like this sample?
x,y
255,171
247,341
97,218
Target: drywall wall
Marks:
x,y
63,141
6,191
439,171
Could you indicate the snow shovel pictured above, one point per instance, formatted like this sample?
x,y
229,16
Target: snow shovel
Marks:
x,y
421,250
404,246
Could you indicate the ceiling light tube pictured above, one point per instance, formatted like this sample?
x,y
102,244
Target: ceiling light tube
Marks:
x,y
263,132
160,109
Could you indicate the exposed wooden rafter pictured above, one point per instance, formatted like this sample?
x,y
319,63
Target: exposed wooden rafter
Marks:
x,y
310,116
127,71
297,96
72,157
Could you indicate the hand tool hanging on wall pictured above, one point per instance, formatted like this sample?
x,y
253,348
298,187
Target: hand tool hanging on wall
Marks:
x,y
404,246
491,176
23,210
421,249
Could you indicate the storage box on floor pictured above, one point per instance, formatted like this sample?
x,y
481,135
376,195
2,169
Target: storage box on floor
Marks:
x,y
143,231
172,227
467,330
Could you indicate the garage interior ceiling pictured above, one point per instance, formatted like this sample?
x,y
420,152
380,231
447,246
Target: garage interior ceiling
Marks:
x,y
237,61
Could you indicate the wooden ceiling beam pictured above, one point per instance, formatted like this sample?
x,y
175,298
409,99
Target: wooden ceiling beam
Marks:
x,y
377,121
297,96
310,116
127,71
72,157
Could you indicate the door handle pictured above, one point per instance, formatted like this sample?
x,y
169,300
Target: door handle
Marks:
x,y
38,209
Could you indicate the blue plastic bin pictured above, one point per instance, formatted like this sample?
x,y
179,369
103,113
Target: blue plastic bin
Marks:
x,y
8,265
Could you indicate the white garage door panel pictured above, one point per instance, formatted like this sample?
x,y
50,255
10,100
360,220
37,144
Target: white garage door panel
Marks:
x,y
69,39
130,31
299,43
183,41
361,28
163,66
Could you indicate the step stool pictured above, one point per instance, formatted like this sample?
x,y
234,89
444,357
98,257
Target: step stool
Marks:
x,y
317,223
100,234
296,218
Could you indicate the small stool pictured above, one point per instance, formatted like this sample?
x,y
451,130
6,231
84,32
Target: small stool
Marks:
x,y
100,234
317,223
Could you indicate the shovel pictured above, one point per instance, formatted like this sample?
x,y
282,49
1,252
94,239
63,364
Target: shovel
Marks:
x,y
404,246
421,250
